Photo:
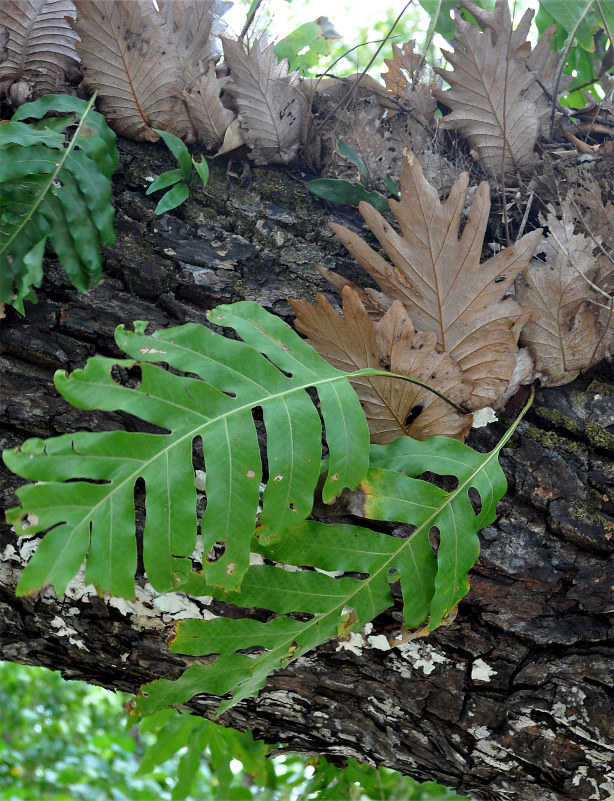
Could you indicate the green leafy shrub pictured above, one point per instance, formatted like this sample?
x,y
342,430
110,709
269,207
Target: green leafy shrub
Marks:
x,y
55,184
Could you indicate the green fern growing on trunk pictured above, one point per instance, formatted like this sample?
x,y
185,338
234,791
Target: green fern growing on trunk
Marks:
x,y
84,497
55,184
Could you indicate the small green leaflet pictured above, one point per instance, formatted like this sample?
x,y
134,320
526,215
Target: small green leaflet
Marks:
x,y
432,584
54,184
338,190
86,488
180,191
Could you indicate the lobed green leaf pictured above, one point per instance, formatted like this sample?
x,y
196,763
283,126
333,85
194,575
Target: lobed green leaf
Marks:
x,y
84,497
433,580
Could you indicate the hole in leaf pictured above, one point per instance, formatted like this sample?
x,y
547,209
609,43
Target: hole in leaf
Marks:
x,y
413,414
217,550
403,531
129,377
258,420
198,454
475,499
284,372
140,515
434,538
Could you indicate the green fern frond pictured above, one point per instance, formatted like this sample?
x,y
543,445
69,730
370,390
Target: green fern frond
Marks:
x,y
432,583
86,488
55,185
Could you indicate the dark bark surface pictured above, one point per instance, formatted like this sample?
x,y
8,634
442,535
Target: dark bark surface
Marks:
x,y
513,699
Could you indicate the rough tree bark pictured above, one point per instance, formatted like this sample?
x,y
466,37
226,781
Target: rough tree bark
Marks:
x,y
513,699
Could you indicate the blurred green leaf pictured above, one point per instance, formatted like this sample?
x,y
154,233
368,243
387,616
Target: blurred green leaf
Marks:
x,y
339,191
202,168
346,152
165,179
55,184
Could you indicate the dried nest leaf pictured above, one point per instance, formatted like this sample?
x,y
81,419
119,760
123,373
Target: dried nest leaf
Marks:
x,y
363,129
195,26
373,309
38,55
209,115
439,278
571,330
270,106
497,104
140,60
393,407
596,217
499,21
123,44
403,69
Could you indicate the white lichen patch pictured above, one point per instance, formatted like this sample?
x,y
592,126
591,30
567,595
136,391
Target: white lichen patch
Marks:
x,y
422,655
581,777
493,755
357,641
27,547
331,573
62,630
481,671
483,417
176,606
200,480
379,642
386,709
354,642
149,610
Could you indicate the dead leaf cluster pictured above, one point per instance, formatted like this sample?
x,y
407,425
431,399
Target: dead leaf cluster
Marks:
x,y
433,279
159,69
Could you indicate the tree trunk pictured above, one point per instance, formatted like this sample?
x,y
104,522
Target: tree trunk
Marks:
x,y
512,700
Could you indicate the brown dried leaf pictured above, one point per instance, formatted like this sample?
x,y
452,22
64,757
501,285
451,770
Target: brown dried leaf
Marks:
x,y
131,59
403,68
499,21
393,407
209,115
439,278
39,57
595,216
497,105
270,105
567,335
374,309
194,26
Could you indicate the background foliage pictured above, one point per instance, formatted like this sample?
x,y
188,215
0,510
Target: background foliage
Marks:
x,y
63,740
